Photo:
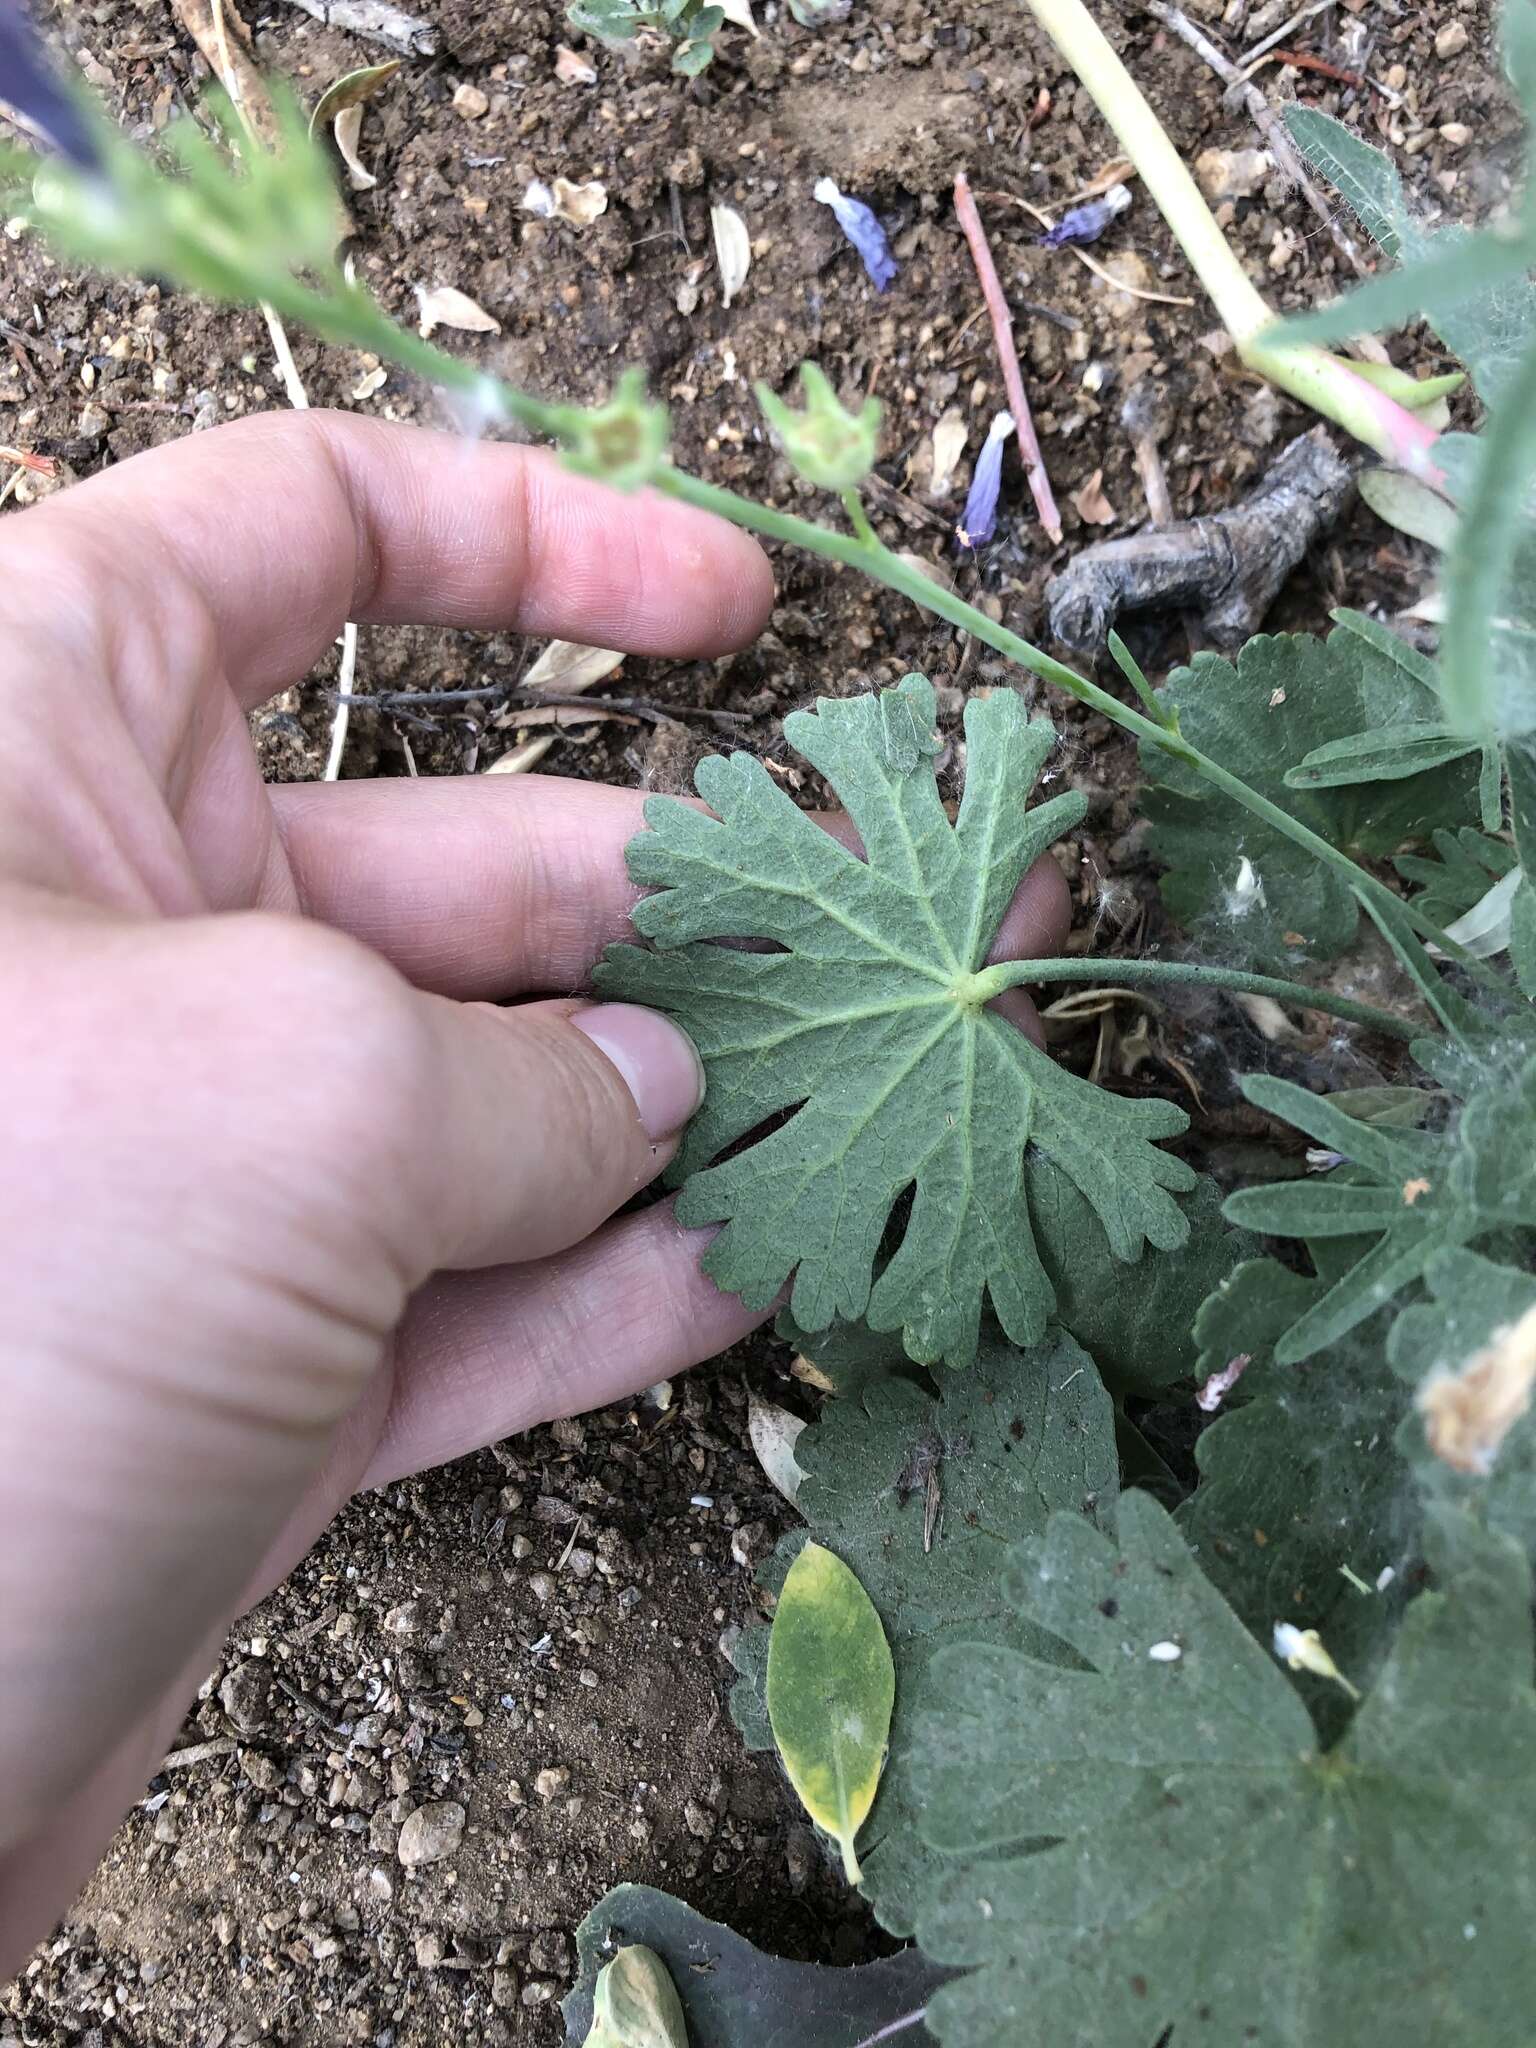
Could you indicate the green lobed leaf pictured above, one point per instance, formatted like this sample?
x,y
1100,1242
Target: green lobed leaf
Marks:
x,y
1216,1874
1137,1327
866,1034
735,1996
1459,873
1400,1190
1303,1503
1365,178
923,1491
1264,900
831,1688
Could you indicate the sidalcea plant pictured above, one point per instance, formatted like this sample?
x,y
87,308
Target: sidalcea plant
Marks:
x,y
691,24
1233,1742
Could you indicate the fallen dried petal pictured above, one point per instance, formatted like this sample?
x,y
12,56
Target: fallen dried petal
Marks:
x,y
444,306
1468,1413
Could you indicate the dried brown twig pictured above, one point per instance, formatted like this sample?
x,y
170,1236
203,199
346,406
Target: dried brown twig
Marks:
x,y
1288,158
1008,357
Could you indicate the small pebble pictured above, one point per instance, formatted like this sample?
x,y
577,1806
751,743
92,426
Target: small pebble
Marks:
x,y
1451,40
431,1833
470,102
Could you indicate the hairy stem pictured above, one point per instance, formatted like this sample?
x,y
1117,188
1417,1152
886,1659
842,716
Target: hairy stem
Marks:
x,y
889,569
991,981
343,313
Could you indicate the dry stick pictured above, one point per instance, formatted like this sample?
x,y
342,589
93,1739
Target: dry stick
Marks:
x,y
1008,357
1280,34
205,22
1288,159
376,21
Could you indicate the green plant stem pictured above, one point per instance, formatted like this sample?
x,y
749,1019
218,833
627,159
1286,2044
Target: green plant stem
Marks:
x,y
885,567
350,316
991,981
858,518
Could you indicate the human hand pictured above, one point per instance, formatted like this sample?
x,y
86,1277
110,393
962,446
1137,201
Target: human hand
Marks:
x,y
287,1206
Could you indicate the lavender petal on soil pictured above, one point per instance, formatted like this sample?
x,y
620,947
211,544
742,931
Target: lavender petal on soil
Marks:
x,y
860,225
979,518
1086,223
28,86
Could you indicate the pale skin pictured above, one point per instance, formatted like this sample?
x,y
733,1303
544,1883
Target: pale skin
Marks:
x,y
312,1144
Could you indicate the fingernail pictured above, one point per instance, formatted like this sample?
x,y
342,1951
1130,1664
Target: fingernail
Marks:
x,y
661,1069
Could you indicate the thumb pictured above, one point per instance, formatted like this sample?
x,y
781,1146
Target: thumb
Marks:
x,y
539,1122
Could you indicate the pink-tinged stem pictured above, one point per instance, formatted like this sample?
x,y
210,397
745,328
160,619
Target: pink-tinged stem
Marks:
x,y
1008,356
1408,440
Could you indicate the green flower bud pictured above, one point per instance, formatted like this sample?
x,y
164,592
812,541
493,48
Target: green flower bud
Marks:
x,y
624,442
827,444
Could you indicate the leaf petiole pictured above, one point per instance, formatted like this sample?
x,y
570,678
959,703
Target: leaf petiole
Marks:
x,y
991,981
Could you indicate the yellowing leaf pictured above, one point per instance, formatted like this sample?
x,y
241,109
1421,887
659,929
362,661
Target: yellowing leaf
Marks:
x,y
831,1688
348,131
351,91
341,107
635,2004
774,1433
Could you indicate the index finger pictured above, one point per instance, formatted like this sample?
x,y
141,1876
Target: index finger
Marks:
x,y
289,524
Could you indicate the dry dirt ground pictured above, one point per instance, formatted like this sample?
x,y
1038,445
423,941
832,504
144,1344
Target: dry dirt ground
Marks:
x,y
535,1633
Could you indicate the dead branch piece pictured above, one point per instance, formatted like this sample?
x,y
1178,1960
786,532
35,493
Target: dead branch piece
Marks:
x,y
1280,34
1139,417
225,42
1288,159
375,21
398,703
1008,357
1229,566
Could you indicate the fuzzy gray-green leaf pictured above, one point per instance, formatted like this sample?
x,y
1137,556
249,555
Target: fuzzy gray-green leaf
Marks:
x,y
858,1054
1215,1875
1400,1190
1262,899
1365,178
922,1491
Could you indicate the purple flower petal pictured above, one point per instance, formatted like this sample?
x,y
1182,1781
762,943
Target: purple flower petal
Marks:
x,y
29,85
862,228
980,515
1086,223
